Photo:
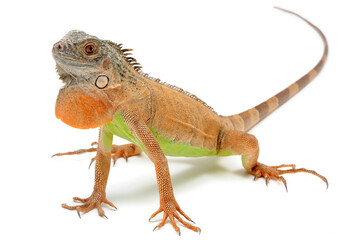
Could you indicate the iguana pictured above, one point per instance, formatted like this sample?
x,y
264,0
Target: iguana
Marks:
x,y
105,87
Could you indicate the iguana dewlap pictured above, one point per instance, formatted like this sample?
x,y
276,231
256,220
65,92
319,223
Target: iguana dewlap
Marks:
x,y
104,87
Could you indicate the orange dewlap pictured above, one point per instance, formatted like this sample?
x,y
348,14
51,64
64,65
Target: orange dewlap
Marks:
x,y
83,108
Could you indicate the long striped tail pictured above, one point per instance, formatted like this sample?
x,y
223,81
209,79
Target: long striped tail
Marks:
x,y
248,119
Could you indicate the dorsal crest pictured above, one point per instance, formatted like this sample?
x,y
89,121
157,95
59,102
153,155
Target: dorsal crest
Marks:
x,y
126,52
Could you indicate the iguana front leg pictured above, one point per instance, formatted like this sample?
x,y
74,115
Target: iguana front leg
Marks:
x,y
151,147
102,169
117,151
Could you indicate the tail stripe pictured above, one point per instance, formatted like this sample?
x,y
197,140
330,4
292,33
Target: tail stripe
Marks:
x,y
248,119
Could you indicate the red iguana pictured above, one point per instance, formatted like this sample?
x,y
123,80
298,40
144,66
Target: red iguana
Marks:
x,y
104,87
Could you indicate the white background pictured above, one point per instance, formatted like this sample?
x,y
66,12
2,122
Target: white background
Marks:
x,y
231,54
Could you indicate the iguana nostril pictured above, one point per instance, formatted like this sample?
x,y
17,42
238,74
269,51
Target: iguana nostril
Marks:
x,y
57,47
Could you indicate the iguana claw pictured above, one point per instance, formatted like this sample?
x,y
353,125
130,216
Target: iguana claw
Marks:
x,y
171,210
94,201
273,172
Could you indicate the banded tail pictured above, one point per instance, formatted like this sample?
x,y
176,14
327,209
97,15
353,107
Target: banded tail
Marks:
x,y
248,119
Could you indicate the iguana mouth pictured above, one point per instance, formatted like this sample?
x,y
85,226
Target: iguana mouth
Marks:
x,y
73,59
69,60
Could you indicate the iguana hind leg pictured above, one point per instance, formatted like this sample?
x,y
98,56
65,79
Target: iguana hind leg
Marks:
x,y
247,145
117,151
123,151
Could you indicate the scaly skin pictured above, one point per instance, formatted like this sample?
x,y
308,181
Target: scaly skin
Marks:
x,y
105,88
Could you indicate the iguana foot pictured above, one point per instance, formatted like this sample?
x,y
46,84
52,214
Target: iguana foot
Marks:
x,y
273,172
94,201
117,151
171,210
123,151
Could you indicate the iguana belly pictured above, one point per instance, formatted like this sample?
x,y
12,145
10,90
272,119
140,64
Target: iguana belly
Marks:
x,y
119,128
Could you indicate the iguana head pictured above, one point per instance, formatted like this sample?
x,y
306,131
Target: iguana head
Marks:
x,y
86,65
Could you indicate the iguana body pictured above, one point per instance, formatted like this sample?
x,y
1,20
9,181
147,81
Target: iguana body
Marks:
x,y
105,88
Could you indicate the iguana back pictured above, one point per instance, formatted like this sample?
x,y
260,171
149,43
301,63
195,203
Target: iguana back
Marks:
x,y
188,120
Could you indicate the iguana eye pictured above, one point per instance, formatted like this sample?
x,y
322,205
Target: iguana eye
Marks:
x,y
102,81
90,48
